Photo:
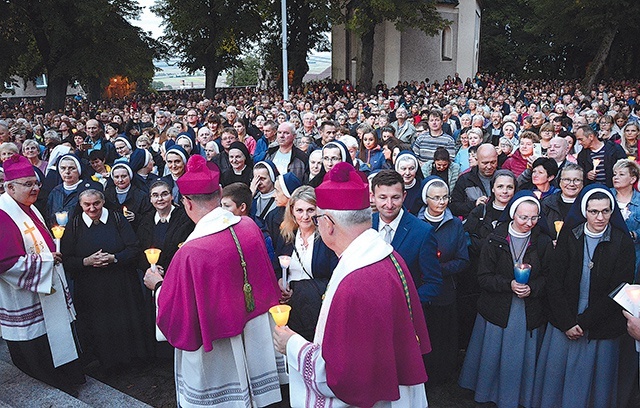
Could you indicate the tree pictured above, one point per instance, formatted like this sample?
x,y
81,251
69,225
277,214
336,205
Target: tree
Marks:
x,y
307,22
571,39
362,17
246,74
210,34
69,40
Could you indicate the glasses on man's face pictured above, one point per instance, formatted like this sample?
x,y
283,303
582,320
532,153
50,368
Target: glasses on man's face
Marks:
x,y
314,219
605,212
442,199
29,184
332,159
526,218
574,181
164,194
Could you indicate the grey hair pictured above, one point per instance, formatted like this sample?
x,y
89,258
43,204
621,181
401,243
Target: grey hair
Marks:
x,y
436,184
349,218
91,192
51,134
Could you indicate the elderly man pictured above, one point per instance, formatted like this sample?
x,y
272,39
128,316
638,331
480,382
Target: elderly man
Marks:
x,y
474,187
371,323
286,156
308,128
405,131
218,322
34,298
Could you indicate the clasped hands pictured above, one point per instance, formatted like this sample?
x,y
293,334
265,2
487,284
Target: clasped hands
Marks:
x,y
99,259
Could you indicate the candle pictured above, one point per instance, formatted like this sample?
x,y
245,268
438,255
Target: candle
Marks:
x,y
58,232
538,194
124,210
62,218
558,225
596,163
280,314
521,272
285,261
153,254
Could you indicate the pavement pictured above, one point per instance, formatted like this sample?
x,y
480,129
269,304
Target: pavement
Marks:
x,y
18,390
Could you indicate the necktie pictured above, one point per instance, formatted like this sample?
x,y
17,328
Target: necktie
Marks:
x,y
387,233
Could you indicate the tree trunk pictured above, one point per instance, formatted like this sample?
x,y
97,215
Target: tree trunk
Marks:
x,y
94,90
211,74
300,68
365,79
56,92
601,56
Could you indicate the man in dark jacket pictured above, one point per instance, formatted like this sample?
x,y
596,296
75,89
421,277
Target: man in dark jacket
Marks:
x,y
603,153
473,187
286,156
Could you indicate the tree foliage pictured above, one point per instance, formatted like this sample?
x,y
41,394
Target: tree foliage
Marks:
x,y
87,41
307,22
561,39
246,74
210,34
362,17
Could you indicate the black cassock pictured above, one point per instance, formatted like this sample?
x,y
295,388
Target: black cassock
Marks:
x,y
108,300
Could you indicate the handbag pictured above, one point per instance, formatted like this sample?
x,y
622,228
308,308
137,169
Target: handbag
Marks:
x,y
305,302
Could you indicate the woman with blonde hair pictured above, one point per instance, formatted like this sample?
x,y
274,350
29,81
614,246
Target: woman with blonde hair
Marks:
x,y
31,150
630,133
312,262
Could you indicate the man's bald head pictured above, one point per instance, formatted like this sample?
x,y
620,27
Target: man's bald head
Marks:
x,y
487,159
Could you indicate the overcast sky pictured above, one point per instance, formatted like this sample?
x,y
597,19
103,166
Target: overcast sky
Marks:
x,y
148,21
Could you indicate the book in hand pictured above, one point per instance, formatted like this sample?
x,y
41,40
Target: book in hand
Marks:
x,y
627,296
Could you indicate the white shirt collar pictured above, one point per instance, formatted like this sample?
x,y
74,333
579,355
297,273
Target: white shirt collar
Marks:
x,y
393,224
103,218
156,218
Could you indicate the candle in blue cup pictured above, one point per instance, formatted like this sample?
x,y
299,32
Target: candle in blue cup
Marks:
x,y
521,273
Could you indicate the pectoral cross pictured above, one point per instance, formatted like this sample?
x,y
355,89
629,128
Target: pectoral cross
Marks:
x,y
29,231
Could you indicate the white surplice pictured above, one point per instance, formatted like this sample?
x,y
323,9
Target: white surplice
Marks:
x,y
307,372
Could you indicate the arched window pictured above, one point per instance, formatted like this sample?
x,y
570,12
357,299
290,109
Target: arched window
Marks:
x,y
447,44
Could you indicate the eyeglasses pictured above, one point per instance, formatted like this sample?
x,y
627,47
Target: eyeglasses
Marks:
x,y
604,212
526,218
164,194
442,199
574,181
29,184
332,159
314,218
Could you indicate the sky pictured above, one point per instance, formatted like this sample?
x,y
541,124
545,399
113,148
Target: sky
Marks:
x,y
148,21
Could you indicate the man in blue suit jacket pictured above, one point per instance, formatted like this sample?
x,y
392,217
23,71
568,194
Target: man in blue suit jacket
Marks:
x,y
413,239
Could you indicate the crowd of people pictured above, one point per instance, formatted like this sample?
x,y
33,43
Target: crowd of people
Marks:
x,y
502,213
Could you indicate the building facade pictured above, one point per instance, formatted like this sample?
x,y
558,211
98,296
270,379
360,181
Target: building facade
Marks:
x,y
411,54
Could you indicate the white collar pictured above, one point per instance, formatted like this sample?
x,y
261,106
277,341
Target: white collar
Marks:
x,y
217,220
393,224
125,191
156,218
103,218
71,187
268,195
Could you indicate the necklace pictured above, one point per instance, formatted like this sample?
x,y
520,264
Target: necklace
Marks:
x,y
589,257
519,256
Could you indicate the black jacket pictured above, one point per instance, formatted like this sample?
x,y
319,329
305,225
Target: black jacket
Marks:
x,y
180,226
495,273
612,153
613,259
467,190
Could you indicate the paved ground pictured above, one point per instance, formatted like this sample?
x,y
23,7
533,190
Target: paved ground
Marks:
x,y
153,384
